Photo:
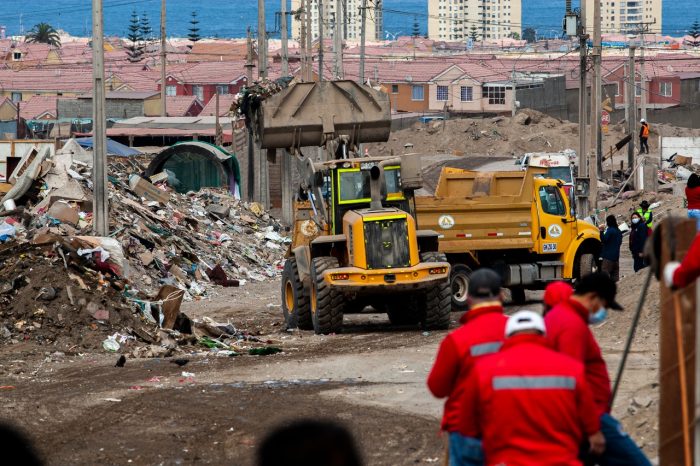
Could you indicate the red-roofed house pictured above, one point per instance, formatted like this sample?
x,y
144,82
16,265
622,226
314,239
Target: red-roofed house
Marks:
x,y
8,111
39,107
204,80
225,102
472,88
183,106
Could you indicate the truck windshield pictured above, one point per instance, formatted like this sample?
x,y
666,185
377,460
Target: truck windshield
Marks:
x,y
354,185
552,202
560,173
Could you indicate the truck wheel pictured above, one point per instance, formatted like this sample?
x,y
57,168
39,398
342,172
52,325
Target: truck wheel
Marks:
x,y
459,279
517,295
437,301
326,302
403,313
295,302
586,265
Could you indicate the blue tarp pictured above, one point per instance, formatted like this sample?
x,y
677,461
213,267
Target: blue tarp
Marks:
x,y
113,147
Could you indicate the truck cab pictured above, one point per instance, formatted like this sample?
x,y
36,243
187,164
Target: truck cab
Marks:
x,y
558,166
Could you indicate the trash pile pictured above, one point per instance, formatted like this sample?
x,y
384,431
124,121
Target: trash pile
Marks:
x,y
57,282
248,101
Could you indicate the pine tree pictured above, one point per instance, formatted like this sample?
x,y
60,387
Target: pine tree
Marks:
x,y
146,29
694,32
530,35
474,33
134,50
416,28
194,30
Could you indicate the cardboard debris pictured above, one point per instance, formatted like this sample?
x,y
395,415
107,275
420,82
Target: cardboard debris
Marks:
x,y
145,189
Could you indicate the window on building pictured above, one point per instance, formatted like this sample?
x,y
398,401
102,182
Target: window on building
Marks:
x,y
198,91
495,94
417,93
617,89
666,89
466,93
638,89
222,89
394,88
443,93
16,56
170,90
16,96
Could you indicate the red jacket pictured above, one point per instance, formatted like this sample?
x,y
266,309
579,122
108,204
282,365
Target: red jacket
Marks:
x,y
693,196
531,405
568,333
689,270
482,332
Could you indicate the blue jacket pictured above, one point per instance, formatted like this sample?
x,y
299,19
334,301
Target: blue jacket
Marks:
x,y
612,241
638,237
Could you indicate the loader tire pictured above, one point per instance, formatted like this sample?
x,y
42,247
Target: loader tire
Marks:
x,y
586,264
295,300
437,301
459,282
326,302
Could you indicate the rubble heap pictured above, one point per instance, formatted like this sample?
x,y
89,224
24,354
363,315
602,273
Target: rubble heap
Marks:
x,y
59,283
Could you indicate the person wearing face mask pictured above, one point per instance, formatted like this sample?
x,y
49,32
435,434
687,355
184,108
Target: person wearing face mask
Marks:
x,y
568,332
638,238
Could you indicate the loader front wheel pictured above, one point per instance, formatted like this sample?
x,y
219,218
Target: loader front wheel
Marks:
x,y
295,301
437,301
326,302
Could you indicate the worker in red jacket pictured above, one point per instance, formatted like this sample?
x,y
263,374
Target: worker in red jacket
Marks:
x,y
555,293
682,274
568,333
531,404
481,333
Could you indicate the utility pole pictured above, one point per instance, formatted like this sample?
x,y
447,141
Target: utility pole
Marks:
x,y
514,108
163,64
596,164
631,109
262,41
363,39
284,36
642,80
309,43
302,40
583,170
320,40
100,223
338,41
218,138
251,152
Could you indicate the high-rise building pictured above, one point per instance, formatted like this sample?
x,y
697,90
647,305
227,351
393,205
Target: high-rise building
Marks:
x,y
626,16
350,17
458,20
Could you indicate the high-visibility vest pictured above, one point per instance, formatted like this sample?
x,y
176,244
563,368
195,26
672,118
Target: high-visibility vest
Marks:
x,y
645,131
646,216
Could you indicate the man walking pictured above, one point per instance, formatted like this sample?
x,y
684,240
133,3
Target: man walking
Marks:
x,y
531,404
644,137
611,237
568,333
481,333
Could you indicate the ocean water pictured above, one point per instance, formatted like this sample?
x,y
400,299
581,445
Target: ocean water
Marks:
x,y
231,18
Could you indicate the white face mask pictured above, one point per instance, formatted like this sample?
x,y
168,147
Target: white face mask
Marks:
x,y
635,221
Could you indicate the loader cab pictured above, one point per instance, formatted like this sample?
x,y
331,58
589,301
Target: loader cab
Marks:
x,y
347,188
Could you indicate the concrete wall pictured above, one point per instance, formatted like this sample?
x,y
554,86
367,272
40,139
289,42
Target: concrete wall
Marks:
x,y
688,147
82,108
550,99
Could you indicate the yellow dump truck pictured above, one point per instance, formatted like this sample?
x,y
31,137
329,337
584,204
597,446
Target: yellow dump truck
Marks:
x,y
519,223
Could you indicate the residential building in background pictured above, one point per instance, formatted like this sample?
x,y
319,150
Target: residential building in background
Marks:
x,y
458,20
626,16
350,19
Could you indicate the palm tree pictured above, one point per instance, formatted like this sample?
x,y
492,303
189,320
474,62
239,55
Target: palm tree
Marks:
x,y
43,33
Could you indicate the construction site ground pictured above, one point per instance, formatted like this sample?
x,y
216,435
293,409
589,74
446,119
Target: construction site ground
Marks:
x,y
80,409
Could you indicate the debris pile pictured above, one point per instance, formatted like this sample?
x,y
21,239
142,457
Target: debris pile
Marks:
x,y
57,282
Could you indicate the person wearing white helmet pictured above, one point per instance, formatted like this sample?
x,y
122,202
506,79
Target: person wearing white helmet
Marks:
x,y
644,136
541,393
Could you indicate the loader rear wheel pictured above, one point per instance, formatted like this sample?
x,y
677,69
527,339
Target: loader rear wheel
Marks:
x,y
459,279
586,265
295,301
326,302
437,301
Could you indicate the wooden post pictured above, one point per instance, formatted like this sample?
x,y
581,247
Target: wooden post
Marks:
x,y
677,235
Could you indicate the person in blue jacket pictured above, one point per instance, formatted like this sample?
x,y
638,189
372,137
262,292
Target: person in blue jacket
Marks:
x,y
611,237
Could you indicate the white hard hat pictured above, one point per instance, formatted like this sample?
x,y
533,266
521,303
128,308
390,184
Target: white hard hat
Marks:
x,y
524,320
642,120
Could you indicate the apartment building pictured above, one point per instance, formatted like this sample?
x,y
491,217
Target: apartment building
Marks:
x,y
626,16
350,17
457,20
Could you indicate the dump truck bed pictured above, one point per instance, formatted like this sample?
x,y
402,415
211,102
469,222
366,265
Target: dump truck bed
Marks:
x,y
485,210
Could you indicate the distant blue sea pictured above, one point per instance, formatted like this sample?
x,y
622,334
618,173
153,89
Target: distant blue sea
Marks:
x,y
231,18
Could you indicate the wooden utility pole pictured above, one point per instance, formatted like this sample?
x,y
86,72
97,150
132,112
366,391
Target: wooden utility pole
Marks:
x,y
309,43
250,188
284,36
100,222
642,80
249,60
596,159
514,106
218,138
302,40
583,171
262,41
163,60
363,39
338,41
320,40
631,109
